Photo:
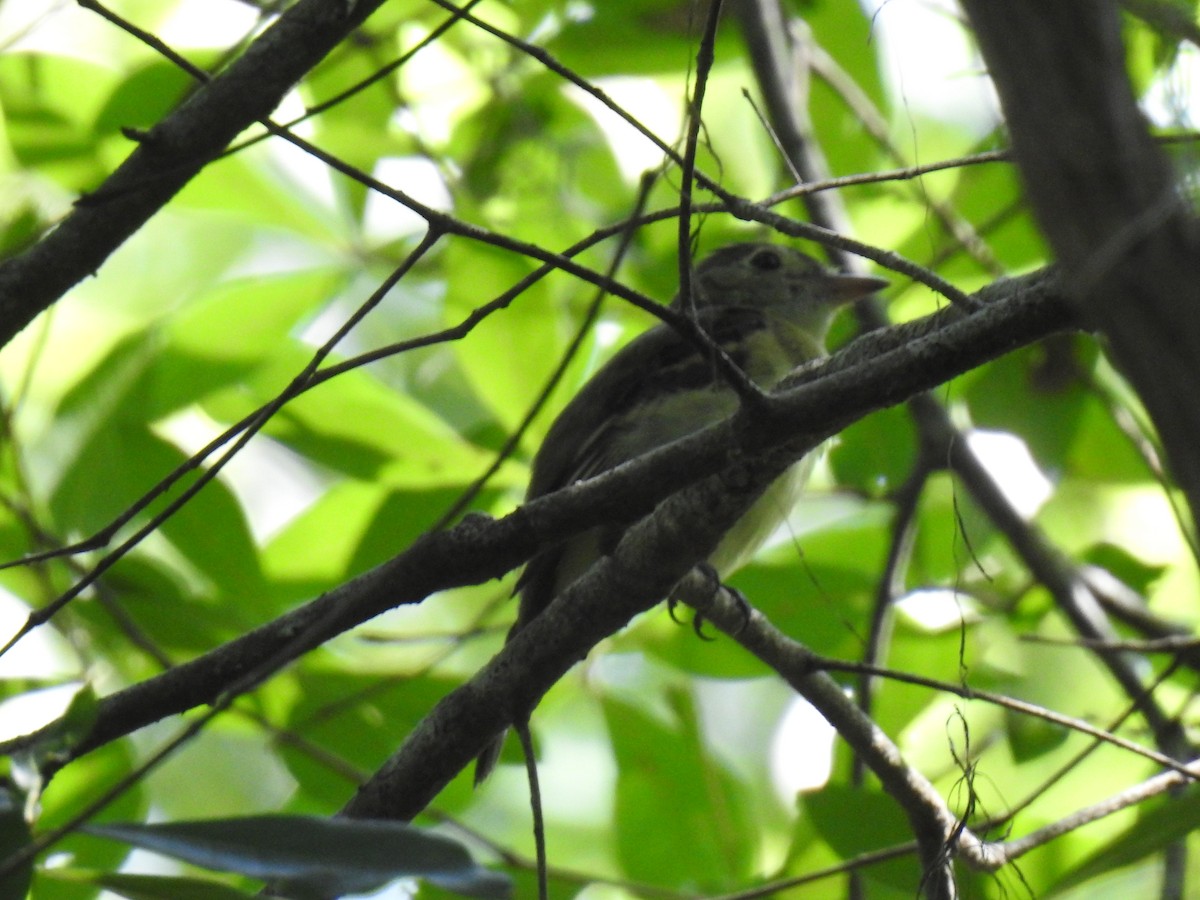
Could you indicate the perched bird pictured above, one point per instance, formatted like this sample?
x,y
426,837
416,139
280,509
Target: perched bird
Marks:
x,y
769,308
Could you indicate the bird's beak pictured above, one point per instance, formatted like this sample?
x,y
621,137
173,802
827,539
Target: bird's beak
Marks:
x,y
844,288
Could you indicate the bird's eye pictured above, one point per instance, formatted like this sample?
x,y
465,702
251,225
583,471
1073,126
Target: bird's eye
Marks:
x,y
766,260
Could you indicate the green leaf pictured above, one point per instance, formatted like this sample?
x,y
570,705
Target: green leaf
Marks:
x,y
352,527
992,195
357,425
281,211
145,96
1156,828
48,102
357,128
239,323
72,791
19,229
509,355
665,777
1038,393
876,454
953,536
96,489
314,857
1137,573
656,36
355,715
1102,452
230,563
858,820
159,599
1030,737
61,735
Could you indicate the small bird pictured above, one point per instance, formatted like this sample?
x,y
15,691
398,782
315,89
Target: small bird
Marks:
x,y
769,308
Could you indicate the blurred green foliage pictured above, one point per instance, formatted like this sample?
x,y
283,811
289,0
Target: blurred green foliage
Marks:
x,y
655,772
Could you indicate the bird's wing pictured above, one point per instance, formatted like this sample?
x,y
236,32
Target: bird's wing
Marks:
x,y
653,391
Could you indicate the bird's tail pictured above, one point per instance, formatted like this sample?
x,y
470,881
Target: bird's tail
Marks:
x,y
486,761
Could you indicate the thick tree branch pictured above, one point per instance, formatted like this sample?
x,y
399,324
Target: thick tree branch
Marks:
x,y
936,828
879,370
1106,197
659,550
927,811
941,440
782,67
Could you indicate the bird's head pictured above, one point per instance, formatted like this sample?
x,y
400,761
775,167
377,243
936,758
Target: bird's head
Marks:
x,y
779,279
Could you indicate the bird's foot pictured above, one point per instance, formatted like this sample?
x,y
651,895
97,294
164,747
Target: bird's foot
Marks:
x,y
698,589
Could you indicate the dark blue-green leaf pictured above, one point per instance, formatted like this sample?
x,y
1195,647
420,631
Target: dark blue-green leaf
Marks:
x,y
14,836
315,857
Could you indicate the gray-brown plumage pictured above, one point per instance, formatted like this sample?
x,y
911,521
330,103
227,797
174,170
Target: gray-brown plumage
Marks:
x,y
769,308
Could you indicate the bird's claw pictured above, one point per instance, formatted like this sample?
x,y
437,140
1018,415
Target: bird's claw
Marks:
x,y
709,574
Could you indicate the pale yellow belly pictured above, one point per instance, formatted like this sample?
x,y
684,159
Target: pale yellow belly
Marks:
x,y
753,529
